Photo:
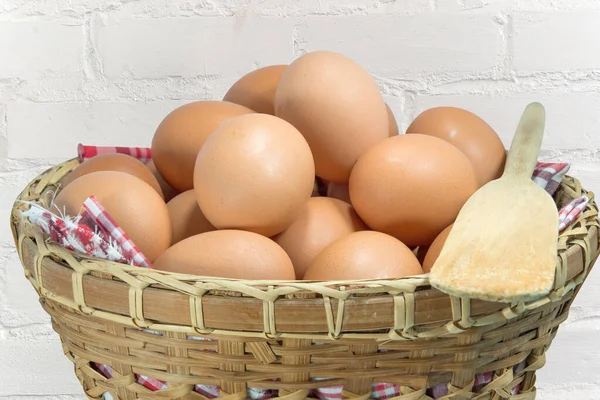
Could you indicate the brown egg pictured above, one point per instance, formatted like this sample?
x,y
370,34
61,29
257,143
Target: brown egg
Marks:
x,y
364,255
411,187
471,134
228,254
338,108
254,173
181,134
186,218
393,125
115,162
256,90
168,191
133,204
434,250
322,221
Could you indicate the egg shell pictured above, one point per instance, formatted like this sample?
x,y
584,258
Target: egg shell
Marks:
x,y
339,191
115,162
469,133
169,192
393,125
132,203
254,173
228,254
364,255
322,221
182,133
338,108
186,217
434,250
411,187
256,90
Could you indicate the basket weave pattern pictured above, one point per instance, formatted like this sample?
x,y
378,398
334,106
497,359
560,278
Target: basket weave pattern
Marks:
x,y
292,336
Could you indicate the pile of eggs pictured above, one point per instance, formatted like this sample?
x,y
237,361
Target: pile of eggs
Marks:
x,y
232,188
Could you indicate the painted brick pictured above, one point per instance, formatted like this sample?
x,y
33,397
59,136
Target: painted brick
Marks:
x,y
58,128
570,360
19,304
3,133
557,391
34,368
218,8
586,303
33,50
588,174
551,41
2,120
11,185
46,397
194,46
143,58
555,5
460,5
409,46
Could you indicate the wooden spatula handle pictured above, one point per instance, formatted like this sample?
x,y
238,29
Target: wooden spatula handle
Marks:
x,y
526,144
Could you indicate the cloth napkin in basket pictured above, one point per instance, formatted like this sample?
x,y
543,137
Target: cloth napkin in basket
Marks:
x,y
85,152
94,232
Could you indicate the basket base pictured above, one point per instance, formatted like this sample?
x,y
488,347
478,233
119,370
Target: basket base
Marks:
x,y
117,362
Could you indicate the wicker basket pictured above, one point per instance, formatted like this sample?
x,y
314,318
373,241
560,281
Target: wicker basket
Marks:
x,y
283,335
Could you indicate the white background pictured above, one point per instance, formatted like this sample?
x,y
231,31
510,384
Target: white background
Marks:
x,y
107,72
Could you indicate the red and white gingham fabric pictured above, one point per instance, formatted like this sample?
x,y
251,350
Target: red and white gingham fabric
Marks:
x,y
571,211
102,219
95,232
92,232
549,175
85,152
70,233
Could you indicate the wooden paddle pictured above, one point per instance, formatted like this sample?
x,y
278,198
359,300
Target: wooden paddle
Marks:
x,y
503,245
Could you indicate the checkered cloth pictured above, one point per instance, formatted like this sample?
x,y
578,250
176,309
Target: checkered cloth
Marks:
x,y
70,233
94,232
85,152
549,176
571,211
95,215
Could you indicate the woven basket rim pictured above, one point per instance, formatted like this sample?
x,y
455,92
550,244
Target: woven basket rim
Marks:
x,y
579,242
63,168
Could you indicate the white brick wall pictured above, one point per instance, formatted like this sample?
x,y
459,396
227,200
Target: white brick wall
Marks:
x,y
107,71
126,122
409,46
192,47
40,49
